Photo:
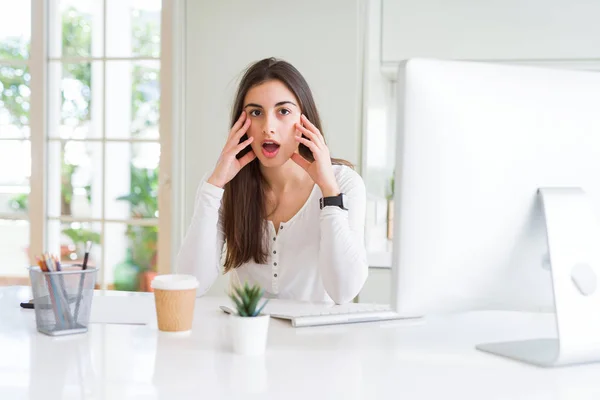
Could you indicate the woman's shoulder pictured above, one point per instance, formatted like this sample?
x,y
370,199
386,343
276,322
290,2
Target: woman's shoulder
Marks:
x,y
348,178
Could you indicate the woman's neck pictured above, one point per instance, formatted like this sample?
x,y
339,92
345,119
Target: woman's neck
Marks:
x,y
285,178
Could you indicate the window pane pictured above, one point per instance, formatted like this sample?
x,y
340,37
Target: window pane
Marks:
x,y
15,29
74,179
75,28
14,199
133,28
75,100
15,163
133,98
14,101
69,240
132,256
14,260
132,194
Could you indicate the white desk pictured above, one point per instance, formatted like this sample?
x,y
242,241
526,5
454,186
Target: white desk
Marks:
x,y
396,360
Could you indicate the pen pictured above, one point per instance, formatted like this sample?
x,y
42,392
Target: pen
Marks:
x,y
30,303
88,247
40,263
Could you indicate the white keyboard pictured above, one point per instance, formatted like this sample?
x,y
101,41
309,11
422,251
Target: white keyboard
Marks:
x,y
308,314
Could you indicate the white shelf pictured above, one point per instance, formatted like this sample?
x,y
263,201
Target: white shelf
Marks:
x,y
380,259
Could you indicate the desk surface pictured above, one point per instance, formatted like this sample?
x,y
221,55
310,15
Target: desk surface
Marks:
x,y
432,359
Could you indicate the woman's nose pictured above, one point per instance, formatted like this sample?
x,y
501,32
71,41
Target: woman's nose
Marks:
x,y
269,126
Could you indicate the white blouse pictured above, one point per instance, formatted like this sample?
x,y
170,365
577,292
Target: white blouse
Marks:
x,y
318,255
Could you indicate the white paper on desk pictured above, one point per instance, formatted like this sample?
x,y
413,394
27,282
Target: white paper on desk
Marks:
x,y
132,310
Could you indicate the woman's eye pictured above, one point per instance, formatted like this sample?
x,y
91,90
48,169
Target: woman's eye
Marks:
x,y
255,113
285,111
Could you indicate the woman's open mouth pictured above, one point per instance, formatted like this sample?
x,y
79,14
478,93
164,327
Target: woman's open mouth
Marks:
x,y
270,148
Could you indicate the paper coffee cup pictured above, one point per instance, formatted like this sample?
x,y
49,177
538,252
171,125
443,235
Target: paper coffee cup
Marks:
x,y
174,297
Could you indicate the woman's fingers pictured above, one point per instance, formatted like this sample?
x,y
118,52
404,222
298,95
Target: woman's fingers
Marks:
x,y
238,124
247,158
235,139
311,145
309,134
242,145
312,128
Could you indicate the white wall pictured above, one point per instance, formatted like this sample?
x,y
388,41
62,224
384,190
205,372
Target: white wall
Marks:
x,y
378,145
491,29
321,38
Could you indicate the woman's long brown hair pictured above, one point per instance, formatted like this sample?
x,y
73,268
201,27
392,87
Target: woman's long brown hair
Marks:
x,y
243,211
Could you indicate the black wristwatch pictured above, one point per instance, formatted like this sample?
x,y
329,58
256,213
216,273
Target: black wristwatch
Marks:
x,y
339,201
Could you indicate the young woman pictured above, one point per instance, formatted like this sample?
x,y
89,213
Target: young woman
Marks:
x,y
290,216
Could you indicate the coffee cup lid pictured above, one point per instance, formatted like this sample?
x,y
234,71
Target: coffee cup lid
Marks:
x,y
174,282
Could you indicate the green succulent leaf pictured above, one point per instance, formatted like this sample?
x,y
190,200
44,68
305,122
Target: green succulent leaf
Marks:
x,y
246,299
261,308
238,304
253,302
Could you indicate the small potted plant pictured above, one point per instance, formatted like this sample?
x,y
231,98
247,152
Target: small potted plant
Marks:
x,y
249,327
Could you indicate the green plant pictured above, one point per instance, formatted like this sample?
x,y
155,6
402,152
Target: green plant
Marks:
x,y
143,197
81,236
144,245
143,201
246,300
66,188
19,202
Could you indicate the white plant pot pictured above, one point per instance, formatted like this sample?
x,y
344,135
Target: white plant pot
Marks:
x,y
249,334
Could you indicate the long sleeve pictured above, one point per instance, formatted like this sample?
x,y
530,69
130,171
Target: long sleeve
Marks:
x,y
200,253
342,254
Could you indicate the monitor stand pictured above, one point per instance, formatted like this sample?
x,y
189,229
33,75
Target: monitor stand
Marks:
x,y
574,246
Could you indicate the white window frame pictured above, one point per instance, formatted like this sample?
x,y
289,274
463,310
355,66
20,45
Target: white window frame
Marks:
x,y
172,123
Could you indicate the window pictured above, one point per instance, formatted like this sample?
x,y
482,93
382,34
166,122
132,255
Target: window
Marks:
x,y
96,142
15,145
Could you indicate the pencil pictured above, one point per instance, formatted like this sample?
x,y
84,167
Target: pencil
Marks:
x,y
54,294
44,268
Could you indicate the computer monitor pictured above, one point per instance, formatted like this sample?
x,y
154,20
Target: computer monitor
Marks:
x,y
498,196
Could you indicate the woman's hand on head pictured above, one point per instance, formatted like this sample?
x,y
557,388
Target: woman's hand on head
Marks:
x,y
228,164
320,170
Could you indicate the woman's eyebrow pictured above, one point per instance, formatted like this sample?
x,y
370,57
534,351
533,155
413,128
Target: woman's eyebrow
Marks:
x,y
281,103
